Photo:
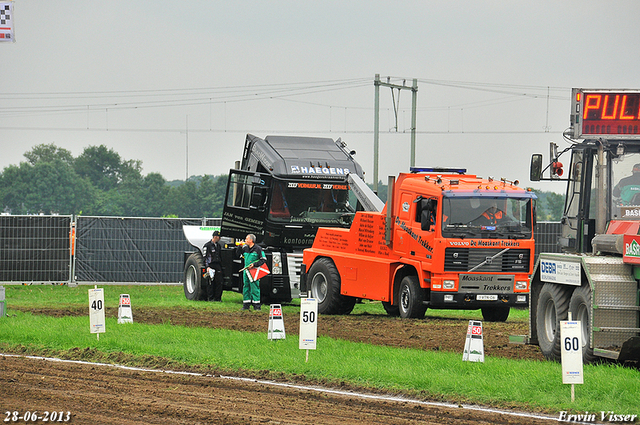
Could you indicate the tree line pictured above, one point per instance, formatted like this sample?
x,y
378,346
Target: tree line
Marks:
x,y
100,182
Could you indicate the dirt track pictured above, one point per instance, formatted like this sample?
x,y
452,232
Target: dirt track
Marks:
x,y
100,394
95,394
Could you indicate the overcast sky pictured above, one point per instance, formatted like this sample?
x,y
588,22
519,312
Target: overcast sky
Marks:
x,y
155,80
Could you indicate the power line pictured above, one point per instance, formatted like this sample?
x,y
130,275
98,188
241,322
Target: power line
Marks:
x,y
272,131
159,92
143,104
233,93
286,92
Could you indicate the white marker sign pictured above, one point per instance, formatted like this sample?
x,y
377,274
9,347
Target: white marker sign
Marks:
x,y
308,323
571,352
96,310
125,314
276,323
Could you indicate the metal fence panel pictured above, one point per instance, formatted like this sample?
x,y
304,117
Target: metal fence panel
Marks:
x,y
131,250
546,236
35,248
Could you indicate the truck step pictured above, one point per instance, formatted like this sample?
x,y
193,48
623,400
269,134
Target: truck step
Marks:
x,y
615,329
617,307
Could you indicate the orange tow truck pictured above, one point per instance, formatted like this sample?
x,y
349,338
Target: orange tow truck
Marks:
x,y
444,240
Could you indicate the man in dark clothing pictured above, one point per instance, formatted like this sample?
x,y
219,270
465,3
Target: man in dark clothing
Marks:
x,y
213,263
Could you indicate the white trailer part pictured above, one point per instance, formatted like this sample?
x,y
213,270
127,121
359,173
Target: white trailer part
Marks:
x,y
199,235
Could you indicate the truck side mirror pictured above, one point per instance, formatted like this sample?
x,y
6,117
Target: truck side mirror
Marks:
x,y
425,220
535,170
428,209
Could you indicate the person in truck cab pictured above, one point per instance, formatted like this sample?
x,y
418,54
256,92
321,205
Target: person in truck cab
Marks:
x,y
628,188
492,215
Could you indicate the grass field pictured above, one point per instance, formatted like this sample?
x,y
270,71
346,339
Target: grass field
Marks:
x,y
440,375
164,296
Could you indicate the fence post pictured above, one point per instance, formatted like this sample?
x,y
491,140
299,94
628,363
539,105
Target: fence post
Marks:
x,y
2,301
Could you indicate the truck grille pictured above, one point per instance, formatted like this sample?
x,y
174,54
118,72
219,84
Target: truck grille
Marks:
x,y
294,261
464,259
279,281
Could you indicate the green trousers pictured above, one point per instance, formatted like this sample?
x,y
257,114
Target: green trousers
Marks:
x,y
250,290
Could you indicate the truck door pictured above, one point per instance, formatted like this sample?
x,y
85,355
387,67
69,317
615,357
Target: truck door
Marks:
x,y
578,225
245,205
404,218
423,227
428,220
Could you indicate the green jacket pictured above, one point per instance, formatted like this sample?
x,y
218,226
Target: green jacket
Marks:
x,y
253,255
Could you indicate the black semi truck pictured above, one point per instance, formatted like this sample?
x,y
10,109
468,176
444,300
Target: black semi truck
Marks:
x,y
282,191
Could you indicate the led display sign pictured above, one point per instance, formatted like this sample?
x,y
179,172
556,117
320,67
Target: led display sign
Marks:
x,y
611,114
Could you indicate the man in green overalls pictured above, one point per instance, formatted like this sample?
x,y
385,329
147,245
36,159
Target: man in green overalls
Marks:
x,y
253,257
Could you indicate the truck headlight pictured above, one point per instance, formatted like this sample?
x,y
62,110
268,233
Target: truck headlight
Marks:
x,y
276,263
521,285
448,284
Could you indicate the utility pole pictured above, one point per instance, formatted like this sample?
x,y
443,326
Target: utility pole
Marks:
x,y
376,122
186,149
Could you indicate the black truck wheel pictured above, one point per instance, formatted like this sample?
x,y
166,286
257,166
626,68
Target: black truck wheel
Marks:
x,y
324,285
411,299
193,281
580,308
495,314
553,305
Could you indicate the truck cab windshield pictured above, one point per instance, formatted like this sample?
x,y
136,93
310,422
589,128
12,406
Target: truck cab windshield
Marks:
x,y
486,217
312,202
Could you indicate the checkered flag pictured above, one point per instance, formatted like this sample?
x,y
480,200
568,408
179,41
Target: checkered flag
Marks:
x,y
6,21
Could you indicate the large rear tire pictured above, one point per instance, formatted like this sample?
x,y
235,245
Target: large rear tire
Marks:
x,y
411,299
580,308
553,306
194,283
495,314
324,285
